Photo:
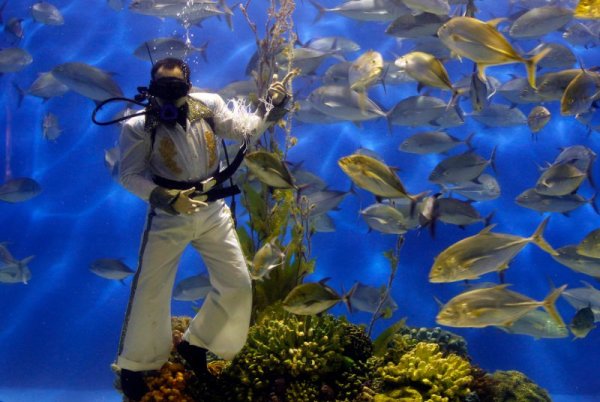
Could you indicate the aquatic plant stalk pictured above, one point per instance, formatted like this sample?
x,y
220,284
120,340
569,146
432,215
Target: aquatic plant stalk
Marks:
x,y
393,256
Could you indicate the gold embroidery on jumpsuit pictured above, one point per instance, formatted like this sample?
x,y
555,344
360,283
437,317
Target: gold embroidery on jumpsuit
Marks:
x,y
168,152
211,145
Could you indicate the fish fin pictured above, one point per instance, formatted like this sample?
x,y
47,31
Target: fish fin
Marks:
x,y
487,229
496,21
481,71
26,260
493,159
539,240
468,141
549,304
531,64
594,203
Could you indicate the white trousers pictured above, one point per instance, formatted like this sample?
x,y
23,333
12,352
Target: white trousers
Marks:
x,y
221,325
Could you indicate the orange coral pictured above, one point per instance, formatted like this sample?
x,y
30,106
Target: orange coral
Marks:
x,y
169,385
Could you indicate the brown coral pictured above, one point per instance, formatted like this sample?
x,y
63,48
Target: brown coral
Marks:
x,y
169,385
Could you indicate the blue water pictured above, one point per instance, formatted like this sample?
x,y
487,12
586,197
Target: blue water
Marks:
x,y
60,331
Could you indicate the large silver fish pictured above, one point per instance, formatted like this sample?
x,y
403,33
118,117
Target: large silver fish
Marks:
x,y
19,190
560,179
192,288
87,80
366,10
484,252
111,268
340,102
483,188
374,176
482,43
269,169
432,142
569,257
14,59
160,48
590,245
461,168
562,204
311,298
494,306
540,21
47,13
538,324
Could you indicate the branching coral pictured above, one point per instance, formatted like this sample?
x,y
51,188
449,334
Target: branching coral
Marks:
x,y
514,386
169,385
426,370
448,342
296,357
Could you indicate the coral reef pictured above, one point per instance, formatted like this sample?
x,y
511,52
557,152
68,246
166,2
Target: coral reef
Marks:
x,y
426,371
514,386
449,343
300,358
169,385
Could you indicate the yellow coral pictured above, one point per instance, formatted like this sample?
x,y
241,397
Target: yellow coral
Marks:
x,y
445,379
169,385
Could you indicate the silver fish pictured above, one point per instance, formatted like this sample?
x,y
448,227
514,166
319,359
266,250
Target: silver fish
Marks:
x,y
340,102
322,201
484,252
484,188
189,12
311,298
47,13
416,26
551,86
307,113
269,169
499,115
583,297
560,56
160,48
438,7
385,218
580,93
13,270
543,203
367,298
266,259
337,44
14,59
239,89
540,21
590,245
569,257
456,212
417,111
538,324
538,118
560,179
586,34
366,10
494,306
192,288
582,323
518,91
305,59
111,268
432,142
19,190
322,223
87,80
461,168
46,86
14,27
50,127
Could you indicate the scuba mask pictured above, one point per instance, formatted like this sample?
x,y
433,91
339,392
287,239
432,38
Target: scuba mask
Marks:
x,y
169,88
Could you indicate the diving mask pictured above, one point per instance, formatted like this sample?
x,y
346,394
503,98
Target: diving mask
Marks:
x,y
169,88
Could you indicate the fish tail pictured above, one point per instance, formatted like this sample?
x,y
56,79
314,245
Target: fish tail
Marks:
x,y
549,304
21,92
493,159
594,203
321,10
539,240
531,65
481,72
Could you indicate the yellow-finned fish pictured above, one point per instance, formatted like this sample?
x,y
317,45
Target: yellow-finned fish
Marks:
x,y
482,253
374,176
365,71
495,306
482,43
590,245
269,169
311,298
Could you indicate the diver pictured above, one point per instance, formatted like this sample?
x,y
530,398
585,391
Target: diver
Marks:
x,y
170,157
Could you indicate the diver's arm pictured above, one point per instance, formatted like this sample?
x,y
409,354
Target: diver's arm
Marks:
x,y
236,124
135,148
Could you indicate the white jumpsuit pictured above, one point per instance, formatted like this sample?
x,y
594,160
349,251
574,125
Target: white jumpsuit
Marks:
x,y
221,325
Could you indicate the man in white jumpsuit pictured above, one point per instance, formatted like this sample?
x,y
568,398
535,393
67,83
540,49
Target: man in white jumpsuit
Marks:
x,y
164,158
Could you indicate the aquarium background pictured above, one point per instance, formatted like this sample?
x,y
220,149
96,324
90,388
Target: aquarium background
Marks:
x,y
61,330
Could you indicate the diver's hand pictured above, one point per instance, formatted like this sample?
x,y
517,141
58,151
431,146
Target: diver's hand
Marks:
x,y
185,205
278,89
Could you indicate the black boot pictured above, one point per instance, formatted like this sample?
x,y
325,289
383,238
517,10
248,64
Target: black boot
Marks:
x,y
195,357
133,385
